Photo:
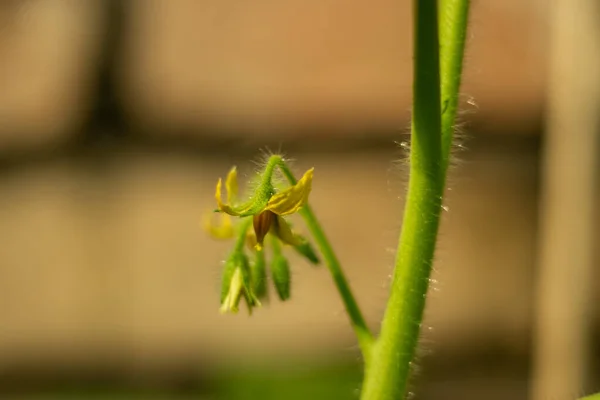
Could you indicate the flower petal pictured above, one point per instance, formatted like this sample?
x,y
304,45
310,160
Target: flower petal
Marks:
x,y
222,206
231,185
255,205
293,198
283,231
221,230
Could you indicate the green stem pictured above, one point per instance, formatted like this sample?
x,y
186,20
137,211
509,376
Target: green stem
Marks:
x,y
453,32
276,244
363,334
392,355
267,174
243,230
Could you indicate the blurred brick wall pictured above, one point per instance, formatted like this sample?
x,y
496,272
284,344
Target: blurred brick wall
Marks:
x,y
264,68
99,262
341,64
115,264
47,52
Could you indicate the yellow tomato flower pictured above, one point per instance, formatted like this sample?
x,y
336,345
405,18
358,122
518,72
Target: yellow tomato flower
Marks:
x,y
286,202
268,217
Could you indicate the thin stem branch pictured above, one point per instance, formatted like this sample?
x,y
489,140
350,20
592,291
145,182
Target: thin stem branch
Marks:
x,y
363,334
243,230
276,245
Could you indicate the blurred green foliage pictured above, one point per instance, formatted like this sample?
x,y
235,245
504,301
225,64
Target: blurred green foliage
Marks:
x,y
296,382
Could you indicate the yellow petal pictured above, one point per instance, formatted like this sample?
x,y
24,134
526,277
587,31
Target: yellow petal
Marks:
x,y
292,199
231,185
221,230
284,232
222,206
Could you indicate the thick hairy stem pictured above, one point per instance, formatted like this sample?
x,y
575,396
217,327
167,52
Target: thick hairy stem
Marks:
x,y
453,16
438,59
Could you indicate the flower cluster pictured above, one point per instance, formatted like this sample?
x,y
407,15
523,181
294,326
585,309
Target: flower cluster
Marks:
x,y
245,278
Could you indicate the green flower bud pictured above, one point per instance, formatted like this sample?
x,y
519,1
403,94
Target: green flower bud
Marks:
x,y
262,224
228,271
237,283
258,273
306,250
280,270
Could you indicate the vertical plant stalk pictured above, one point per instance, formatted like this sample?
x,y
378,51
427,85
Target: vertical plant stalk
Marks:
x,y
363,334
394,351
392,355
453,17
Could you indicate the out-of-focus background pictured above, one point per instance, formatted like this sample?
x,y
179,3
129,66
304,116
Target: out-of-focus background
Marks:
x,y
116,119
